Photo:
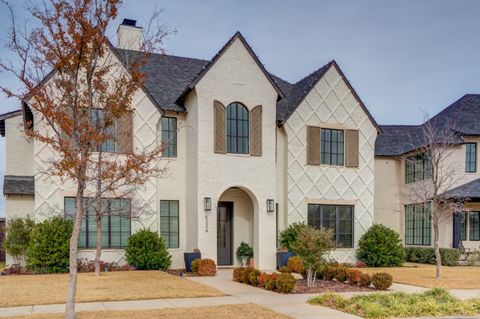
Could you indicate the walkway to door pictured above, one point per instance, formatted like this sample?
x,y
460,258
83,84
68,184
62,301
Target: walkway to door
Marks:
x,y
293,305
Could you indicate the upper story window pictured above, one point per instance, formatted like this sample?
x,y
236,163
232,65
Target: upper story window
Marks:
x,y
470,157
169,136
332,147
237,128
97,116
417,168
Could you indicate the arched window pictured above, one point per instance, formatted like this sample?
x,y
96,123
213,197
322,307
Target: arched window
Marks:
x,y
237,128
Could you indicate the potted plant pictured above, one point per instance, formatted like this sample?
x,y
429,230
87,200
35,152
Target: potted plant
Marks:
x,y
287,237
283,255
244,252
189,257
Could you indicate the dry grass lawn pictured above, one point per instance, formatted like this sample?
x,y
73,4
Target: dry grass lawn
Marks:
x,y
111,286
217,312
2,265
459,277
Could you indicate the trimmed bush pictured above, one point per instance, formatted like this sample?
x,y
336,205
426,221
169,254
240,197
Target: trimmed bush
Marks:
x,y
365,280
289,235
354,276
17,236
296,265
194,265
270,283
253,277
426,255
146,251
285,269
262,279
285,283
381,246
244,250
206,267
239,274
341,274
382,280
330,272
49,247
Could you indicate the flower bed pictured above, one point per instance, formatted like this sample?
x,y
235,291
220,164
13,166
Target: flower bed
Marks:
x,y
322,286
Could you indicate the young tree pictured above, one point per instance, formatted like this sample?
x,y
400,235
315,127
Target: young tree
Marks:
x,y
434,146
311,246
67,71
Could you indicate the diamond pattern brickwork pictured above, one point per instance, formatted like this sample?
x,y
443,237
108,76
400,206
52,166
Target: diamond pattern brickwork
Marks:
x,y
331,102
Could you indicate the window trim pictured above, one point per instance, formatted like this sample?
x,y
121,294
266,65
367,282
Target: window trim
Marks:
x,y
469,160
237,136
167,244
337,222
423,173
323,154
424,239
86,219
470,213
174,132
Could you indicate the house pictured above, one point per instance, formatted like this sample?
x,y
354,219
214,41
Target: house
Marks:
x,y
399,168
2,237
248,154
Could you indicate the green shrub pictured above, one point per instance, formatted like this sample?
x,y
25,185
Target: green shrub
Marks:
x,y
146,251
285,283
382,280
253,277
285,269
380,246
270,282
49,247
17,236
330,272
289,235
426,255
341,273
244,250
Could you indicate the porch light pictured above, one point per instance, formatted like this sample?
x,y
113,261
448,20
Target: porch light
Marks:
x,y
270,206
207,204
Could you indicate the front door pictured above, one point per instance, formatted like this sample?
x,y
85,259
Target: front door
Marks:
x,y
224,233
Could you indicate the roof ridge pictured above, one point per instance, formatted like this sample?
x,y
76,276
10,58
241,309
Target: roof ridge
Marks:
x,y
165,54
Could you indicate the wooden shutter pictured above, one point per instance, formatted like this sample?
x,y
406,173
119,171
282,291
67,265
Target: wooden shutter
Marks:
x,y
313,145
124,134
220,138
351,148
256,131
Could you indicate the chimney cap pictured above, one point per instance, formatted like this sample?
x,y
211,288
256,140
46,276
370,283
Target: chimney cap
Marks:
x,y
129,22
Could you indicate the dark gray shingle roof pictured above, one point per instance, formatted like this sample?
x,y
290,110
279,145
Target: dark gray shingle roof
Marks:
x,y
469,190
18,185
463,117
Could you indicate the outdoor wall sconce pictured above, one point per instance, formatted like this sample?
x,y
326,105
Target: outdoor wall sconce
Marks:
x,y
207,204
270,206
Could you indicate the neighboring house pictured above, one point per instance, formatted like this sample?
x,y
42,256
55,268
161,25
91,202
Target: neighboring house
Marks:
x,y
399,167
248,153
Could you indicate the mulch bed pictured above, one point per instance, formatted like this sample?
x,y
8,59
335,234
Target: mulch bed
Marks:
x,y
326,286
180,273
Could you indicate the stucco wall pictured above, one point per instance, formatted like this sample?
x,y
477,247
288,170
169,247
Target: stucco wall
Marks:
x,y
331,104
235,77
18,148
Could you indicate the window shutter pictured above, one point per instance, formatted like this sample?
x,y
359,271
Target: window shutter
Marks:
x,y
351,156
256,131
313,145
124,134
220,137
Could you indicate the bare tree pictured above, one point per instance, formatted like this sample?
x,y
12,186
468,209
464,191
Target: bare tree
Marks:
x,y
433,147
65,67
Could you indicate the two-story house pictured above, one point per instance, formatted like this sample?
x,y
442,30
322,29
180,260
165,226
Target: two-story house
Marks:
x,y
248,154
400,168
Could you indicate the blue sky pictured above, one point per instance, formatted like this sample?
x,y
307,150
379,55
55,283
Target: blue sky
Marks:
x,y
402,57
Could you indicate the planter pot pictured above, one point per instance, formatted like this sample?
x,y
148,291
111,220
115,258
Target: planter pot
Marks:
x,y
282,258
189,257
244,260
251,262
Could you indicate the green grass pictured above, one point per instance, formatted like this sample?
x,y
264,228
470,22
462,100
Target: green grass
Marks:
x,y
435,302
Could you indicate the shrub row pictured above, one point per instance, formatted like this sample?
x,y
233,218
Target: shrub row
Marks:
x,y
87,265
426,255
204,267
282,283
342,273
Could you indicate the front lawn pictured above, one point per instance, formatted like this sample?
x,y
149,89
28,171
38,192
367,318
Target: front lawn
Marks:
x,y
22,290
2,265
458,277
435,302
217,312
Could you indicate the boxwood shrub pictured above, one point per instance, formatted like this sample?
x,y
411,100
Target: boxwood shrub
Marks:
x,y
426,255
146,251
380,246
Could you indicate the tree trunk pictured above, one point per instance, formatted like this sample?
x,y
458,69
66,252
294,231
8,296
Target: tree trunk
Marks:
x,y
99,212
72,278
438,258
98,252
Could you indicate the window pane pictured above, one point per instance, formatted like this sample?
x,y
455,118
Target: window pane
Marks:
x,y
169,136
418,227
237,128
471,157
474,220
337,218
169,223
332,147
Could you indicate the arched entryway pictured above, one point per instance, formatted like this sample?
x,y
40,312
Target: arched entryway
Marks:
x,y
235,223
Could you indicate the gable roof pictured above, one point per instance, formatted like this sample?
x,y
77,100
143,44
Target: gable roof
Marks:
x,y
470,190
217,56
462,116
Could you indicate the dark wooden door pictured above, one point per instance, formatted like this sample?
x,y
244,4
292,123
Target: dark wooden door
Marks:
x,y
224,233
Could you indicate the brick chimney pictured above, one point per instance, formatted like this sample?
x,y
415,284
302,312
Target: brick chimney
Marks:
x,y
129,36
